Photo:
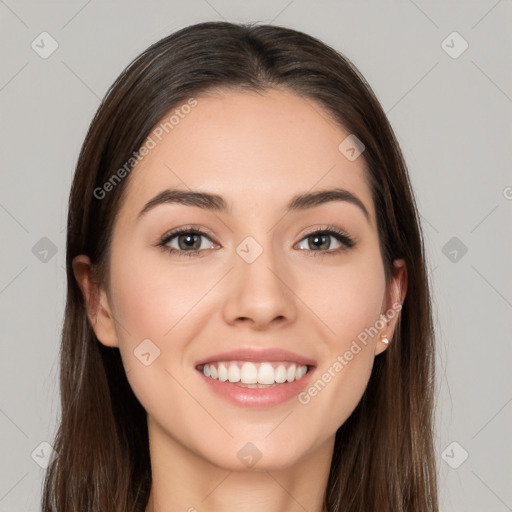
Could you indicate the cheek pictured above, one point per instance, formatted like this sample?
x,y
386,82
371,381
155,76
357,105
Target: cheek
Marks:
x,y
150,304
347,299
151,298
156,302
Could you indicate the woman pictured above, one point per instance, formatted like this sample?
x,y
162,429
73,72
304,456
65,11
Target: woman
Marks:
x,y
248,320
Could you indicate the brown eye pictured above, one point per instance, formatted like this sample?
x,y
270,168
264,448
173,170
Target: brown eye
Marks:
x,y
189,241
186,242
328,241
319,241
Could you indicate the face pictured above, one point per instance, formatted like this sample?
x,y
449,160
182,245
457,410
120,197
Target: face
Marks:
x,y
279,281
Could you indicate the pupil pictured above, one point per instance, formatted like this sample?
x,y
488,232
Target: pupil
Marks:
x,y
190,241
319,240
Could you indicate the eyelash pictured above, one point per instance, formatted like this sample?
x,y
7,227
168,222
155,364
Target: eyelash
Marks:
x,y
342,237
345,240
181,231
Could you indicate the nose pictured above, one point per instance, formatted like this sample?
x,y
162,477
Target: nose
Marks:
x,y
259,294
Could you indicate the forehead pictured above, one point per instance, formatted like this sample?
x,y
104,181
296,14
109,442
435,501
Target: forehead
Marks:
x,y
252,148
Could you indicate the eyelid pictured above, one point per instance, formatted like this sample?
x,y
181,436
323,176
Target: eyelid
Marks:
x,y
347,239
175,232
186,229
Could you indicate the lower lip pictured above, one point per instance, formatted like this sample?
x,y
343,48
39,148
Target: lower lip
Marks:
x,y
257,397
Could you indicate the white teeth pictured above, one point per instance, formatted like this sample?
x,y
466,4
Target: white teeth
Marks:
x,y
253,375
223,372
301,371
249,374
280,374
290,375
265,374
233,373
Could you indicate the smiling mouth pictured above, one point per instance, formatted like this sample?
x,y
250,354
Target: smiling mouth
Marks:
x,y
250,374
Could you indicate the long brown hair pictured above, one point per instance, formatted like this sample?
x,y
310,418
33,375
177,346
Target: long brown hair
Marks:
x,y
383,455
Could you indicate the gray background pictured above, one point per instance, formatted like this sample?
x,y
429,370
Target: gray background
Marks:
x,y
452,117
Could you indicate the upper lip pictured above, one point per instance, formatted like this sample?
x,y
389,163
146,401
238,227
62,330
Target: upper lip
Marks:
x,y
258,356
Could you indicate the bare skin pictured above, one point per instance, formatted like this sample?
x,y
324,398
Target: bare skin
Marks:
x,y
257,152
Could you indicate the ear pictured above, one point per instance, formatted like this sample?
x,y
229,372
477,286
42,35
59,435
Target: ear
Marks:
x,y
392,304
96,302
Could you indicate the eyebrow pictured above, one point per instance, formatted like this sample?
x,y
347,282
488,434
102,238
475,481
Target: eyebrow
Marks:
x,y
214,202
